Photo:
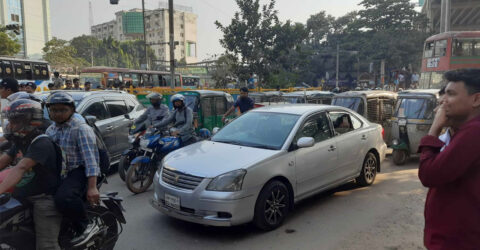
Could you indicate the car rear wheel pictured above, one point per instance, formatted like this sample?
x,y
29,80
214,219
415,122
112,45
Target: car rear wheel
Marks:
x,y
369,170
272,206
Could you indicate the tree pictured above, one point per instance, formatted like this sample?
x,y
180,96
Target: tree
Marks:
x,y
61,55
225,71
8,45
85,46
257,37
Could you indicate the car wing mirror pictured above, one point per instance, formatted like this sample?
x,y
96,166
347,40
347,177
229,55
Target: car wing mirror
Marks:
x,y
305,142
215,130
127,116
91,119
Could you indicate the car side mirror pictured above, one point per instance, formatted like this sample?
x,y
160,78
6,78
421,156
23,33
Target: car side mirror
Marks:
x,y
127,116
215,130
305,142
91,119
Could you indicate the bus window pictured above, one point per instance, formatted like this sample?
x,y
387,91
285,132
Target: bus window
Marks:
x,y
424,80
428,49
476,48
155,80
45,72
19,70
135,80
462,48
441,48
177,81
28,71
37,72
8,69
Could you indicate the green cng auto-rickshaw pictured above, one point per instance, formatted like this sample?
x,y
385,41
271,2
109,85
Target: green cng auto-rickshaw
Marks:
x,y
208,107
375,105
413,117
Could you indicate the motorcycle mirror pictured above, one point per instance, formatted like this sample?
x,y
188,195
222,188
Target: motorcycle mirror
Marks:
x,y
4,198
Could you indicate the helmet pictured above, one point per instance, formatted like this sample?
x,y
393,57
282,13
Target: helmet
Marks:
x,y
154,95
204,133
336,90
60,98
24,116
177,97
23,95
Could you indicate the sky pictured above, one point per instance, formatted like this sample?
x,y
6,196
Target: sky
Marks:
x,y
70,18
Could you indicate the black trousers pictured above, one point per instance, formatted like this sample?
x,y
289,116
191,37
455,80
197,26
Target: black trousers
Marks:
x,y
70,196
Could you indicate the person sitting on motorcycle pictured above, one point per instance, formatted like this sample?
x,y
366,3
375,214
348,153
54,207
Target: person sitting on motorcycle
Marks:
x,y
78,141
182,119
37,175
156,113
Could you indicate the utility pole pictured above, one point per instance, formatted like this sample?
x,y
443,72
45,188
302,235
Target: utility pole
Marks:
x,y
145,34
382,72
172,43
338,57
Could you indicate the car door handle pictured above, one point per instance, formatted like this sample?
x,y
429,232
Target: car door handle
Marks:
x,y
332,148
364,137
109,128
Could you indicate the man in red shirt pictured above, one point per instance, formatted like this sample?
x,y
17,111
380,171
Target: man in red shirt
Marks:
x,y
452,208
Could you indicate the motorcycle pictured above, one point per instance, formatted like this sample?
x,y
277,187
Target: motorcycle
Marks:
x,y
17,229
153,145
134,135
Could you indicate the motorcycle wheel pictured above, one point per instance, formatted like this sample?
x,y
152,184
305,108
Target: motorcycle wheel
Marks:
x,y
123,166
140,177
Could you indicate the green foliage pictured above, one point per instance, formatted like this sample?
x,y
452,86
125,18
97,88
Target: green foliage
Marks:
x,y
8,45
61,55
283,54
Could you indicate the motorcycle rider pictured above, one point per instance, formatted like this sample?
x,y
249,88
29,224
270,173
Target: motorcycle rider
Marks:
x,y
77,140
37,175
156,113
182,119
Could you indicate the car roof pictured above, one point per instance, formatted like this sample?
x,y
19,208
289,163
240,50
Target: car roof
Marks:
x,y
297,109
368,93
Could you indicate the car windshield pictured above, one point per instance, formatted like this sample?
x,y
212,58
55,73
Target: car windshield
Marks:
x,y
348,102
411,108
258,129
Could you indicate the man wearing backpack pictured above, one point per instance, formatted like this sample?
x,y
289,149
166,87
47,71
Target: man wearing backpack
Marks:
x,y
78,142
37,176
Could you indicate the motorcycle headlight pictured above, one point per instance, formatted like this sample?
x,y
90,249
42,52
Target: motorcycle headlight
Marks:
x,y
144,143
228,182
395,142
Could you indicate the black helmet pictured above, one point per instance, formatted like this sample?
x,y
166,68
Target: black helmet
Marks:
x,y
24,116
60,98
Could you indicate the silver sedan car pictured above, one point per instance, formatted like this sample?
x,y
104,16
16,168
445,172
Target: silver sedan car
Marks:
x,y
258,166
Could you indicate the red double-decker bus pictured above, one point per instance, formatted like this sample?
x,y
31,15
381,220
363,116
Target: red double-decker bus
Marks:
x,y
447,51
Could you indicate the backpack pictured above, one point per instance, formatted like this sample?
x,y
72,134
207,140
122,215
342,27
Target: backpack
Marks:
x,y
104,158
61,157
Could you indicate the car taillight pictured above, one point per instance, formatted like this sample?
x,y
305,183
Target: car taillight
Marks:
x,y
383,133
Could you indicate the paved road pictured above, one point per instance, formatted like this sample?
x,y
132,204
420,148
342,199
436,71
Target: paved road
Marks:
x,y
387,215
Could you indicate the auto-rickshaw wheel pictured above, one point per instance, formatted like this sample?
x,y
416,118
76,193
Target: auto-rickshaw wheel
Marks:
x,y
399,157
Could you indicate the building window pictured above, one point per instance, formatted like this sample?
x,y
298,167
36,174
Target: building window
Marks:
x,y
182,35
191,49
181,26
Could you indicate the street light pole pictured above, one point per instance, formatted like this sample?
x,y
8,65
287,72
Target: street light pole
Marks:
x,y
172,43
144,34
338,57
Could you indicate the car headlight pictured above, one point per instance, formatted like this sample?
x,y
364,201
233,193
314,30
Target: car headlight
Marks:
x,y
228,182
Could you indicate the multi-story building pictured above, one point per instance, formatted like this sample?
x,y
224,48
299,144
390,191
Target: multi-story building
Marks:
x,y
33,16
128,25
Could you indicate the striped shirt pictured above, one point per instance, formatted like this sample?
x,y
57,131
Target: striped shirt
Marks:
x,y
77,140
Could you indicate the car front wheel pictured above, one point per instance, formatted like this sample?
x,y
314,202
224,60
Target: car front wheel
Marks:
x,y
272,206
369,170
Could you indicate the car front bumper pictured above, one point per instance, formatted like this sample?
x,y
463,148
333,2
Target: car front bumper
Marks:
x,y
204,207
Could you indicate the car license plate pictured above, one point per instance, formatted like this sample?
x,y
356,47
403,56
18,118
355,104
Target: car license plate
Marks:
x,y
172,201
402,122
